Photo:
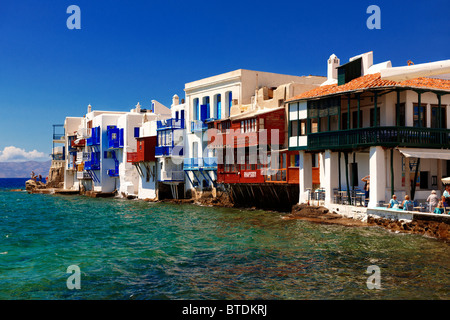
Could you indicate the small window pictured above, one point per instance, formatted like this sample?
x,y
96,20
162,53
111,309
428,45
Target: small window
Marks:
x,y
422,113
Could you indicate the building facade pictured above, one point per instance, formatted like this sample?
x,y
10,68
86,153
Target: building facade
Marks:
x,y
360,124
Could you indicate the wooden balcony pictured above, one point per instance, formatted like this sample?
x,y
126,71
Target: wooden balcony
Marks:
x,y
132,157
380,136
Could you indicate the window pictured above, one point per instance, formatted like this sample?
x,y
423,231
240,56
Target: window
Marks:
x,y
295,159
228,102
435,116
355,119
424,179
402,115
248,125
314,125
372,112
314,160
420,112
196,109
344,119
294,129
218,102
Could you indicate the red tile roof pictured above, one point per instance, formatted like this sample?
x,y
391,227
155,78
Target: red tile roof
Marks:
x,y
372,81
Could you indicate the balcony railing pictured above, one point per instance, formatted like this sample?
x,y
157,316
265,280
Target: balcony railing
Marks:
x,y
94,139
200,163
161,151
172,176
198,126
380,136
170,124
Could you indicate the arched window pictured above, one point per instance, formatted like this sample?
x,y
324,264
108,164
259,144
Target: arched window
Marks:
x,y
196,109
218,106
228,102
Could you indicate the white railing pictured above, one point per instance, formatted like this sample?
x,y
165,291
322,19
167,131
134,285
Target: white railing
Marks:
x,y
172,175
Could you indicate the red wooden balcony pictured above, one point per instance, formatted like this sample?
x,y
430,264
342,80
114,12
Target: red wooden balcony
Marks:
x,y
146,149
132,157
79,143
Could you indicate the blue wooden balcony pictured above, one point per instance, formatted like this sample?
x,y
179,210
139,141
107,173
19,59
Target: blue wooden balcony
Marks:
x,y
115,137
94,162
200,164
94,139
168,151
170,124
198,126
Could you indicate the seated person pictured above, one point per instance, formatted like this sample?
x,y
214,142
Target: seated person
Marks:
x,y
446,196
394,203
440,208
407,204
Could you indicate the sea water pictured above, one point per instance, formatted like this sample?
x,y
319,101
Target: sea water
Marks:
x,y
140,250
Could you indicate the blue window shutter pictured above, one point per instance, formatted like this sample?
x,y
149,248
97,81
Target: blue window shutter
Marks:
x,y
136,132
121,137
219,110
230,101
182,114
204,112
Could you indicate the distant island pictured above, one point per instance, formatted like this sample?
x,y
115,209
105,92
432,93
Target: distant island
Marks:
x,y
23,169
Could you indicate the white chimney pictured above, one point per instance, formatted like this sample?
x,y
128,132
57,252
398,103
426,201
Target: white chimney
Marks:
x,y
89,108
333,63
175,100
138,108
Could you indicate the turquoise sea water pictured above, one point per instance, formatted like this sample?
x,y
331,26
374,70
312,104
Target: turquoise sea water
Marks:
x,y
138,250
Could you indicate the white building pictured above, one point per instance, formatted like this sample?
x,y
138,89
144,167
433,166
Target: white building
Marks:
x,y
211,99
360,123
102,140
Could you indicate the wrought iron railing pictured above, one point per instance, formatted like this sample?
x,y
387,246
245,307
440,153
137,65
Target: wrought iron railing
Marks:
x,y
380,136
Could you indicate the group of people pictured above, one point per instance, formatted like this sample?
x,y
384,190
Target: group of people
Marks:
x,y
36,177
437,205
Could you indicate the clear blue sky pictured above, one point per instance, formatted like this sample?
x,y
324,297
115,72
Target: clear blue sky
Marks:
x,y
130,51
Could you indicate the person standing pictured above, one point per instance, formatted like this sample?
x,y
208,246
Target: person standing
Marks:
x,y
366,179
432,200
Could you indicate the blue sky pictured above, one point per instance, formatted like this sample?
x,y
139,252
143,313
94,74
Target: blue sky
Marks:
x,y
135,51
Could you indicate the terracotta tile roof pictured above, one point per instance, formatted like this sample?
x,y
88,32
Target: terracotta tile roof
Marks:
x,y
372,81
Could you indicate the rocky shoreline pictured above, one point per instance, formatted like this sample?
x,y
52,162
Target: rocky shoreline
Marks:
x,y
433,229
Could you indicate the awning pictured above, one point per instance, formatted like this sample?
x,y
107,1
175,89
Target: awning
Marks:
x,y
425,153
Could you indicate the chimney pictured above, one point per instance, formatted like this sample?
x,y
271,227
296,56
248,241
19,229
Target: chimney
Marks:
x,y
89,108
138,108
175,100
333,63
